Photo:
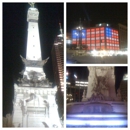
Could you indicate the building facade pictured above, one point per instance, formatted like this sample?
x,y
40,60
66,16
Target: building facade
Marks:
x,y
76,92
123,88
58,61
100,37
123,37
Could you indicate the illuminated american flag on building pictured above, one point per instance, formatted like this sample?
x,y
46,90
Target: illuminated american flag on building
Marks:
x,y
112,39
76,34
98,38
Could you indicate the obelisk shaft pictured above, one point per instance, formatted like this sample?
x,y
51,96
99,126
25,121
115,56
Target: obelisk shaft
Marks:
x,y
33,41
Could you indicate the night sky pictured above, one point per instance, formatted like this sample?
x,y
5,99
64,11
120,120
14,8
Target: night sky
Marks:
x,y
15,39
94,13
83,73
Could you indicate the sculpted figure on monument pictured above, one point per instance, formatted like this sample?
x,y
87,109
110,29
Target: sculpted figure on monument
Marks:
x,y
23,107
101,82
44,61
33,78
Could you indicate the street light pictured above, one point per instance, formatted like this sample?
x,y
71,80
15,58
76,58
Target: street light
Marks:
x,y
67,74
79,29
76,39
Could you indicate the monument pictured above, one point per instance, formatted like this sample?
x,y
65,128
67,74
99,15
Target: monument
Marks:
x,y
101,84
101,107
34,97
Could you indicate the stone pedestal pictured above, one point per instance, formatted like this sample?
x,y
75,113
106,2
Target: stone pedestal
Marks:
x,y
33,106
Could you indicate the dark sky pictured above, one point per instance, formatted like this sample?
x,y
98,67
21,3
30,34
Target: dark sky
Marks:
x,y
83,72
15,39
112,13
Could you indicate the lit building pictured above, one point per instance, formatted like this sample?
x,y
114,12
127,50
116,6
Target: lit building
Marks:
x,y
81,83
75,92
69,98
58,61
101,37
123,88
123,37
68,39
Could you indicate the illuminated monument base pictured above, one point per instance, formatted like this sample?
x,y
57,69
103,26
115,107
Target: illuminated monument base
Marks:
x,y
97,114
100,107
35,107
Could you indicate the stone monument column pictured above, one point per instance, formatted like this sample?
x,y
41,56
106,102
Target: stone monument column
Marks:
x,y
101,83
33,41
34,88
33,61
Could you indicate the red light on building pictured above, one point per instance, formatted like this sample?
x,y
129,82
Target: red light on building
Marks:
x,y
99,38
